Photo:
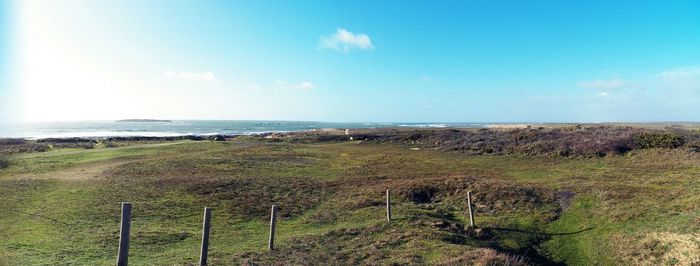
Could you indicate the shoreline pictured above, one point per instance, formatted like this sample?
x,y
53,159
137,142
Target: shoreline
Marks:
x,y
165,135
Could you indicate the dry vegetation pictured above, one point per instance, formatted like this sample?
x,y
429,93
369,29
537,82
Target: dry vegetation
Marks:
x,y
534,204
576,141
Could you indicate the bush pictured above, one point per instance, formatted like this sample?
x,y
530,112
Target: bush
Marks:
x,y
110,144
4,163
12,141
659,140
569,141
21,146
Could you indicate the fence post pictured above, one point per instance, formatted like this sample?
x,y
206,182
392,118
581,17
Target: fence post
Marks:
x,y
471,212
125,228
273,220
206,226
388,206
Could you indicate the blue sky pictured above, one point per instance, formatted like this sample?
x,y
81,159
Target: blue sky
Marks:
x,y
374,61
4,59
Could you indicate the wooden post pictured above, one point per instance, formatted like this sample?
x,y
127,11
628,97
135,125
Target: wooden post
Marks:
x,y
273,220
471,211
125,228
388,206
206,226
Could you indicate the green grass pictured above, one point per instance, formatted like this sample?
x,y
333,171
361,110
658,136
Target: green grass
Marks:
x,y
330,197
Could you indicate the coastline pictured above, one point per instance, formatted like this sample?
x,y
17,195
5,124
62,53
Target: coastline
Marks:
x,y
191,130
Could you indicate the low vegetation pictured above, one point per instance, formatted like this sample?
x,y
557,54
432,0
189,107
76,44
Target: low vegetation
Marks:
x,y
534,205
659,140
569,141
9,146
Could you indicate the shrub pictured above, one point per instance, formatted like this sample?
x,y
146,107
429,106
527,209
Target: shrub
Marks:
x,y
659,140
693,145
110,144
4,163
21,146
12,141
571,141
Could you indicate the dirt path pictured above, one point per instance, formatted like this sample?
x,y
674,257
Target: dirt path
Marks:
x,y
94,170
84,171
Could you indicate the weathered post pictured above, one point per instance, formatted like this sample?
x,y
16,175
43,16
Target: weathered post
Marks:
x,y
206,226
388,206
273,220
471,211
125,228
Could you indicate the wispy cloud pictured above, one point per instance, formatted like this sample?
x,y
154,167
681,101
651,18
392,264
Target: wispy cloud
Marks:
x,y
607,84
682,78
681,72
205,76
344,40
302,85
672,87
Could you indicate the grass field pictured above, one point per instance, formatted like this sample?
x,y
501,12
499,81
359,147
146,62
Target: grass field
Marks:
x,y
61,207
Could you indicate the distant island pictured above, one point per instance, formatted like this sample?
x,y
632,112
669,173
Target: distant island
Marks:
x,y
143,120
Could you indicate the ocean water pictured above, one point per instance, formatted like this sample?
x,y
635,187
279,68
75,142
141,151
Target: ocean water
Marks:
x,y
96,129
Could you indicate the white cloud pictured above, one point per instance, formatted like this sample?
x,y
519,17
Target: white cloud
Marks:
x,y
603,84
205,76
344,40
672,87
302,85
683,78
682,72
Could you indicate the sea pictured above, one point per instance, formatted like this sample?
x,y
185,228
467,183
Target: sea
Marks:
x,y
99,129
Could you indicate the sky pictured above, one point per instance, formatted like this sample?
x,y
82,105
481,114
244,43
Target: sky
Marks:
x,y
4,61
351,61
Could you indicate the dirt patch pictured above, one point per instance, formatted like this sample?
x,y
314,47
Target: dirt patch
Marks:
x,y
421,194
564,198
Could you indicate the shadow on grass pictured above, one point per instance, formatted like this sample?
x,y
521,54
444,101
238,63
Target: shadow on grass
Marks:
x,y
537,233
533,253
37,215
